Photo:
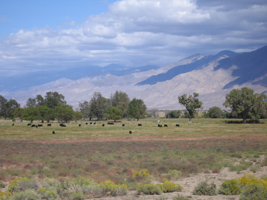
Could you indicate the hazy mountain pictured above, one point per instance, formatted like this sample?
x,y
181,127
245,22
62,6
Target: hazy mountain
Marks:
x,y
210,76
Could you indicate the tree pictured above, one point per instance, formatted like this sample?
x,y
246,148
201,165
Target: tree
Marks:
x,y
64,113
46,113
121,101
31,103
215,112
53,99
137,109
30,114
114,113
11,105
85,109
174,114
191,103
18,113
98,105
245,103
3,107
77,115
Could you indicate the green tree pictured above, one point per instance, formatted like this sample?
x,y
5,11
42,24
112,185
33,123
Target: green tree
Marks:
x,y
85,109
245,103
174,114
30,114
215,112
46,113
11,105
3,107
120,100
137,109
114,113
98,105
77,116
191,103
53,99
18,113
64,113
31,102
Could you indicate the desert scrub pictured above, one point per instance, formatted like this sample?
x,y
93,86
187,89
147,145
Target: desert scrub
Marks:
x,y
4,195
21,184
235,186
25,195
168,186
230,187
50,184
142,175
174,175
45,193
253,191
77,196
149,189
114,189
204,189
180,197
2,185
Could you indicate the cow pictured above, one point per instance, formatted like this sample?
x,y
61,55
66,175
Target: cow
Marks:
x,y
130,132
40,125
110,123
48,124
165,125
123,124
33,125
177,125
53,132
139,124
29,124
103,125
159,125
80,125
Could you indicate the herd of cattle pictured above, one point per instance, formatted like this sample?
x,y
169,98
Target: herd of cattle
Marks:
x,y
92,123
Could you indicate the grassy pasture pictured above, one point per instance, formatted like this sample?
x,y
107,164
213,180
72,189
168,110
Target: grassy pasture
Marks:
x,y
110,152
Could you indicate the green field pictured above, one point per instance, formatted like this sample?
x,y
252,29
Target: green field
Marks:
x,y
111,153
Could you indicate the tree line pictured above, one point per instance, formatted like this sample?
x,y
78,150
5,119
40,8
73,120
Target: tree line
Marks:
x,y
53,106
243,103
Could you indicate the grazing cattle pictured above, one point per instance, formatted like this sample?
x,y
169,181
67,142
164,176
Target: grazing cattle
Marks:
x,y
62,125
40,125
33,125
13,124
130,132
48,124
103,124
159,125
53,132
177,125
110,123
165,125
29,124
91,122
95,123
139,124
123,124
86,123
80,125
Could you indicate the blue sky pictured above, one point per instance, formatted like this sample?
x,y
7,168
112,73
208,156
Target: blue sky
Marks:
x,y
38,35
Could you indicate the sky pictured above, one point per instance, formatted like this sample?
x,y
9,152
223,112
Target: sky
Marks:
x,y
40,35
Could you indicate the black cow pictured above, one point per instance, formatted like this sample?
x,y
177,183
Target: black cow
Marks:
x,y
130,132
165,125
110,123
40,125
103,125
177,125
33,125
123,124
48,124
139,124
29,124
159,125
62,125
53,132
80,125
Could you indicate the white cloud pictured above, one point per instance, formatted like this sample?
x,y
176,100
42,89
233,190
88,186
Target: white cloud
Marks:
x,y
139,32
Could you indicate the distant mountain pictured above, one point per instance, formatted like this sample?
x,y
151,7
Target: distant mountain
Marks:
x,y
250,67
195,64
211,76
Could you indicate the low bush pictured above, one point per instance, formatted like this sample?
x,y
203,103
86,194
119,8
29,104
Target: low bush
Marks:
x,y
114,189
2,185
21,184
230,187
77,196
27,194
149,189
204,189
45,193
142,175
180,197
4,195
168,186
174,175
254,191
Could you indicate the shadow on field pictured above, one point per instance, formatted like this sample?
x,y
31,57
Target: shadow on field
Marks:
x,y
241,122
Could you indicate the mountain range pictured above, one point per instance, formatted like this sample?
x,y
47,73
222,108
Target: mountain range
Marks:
x,y
211,76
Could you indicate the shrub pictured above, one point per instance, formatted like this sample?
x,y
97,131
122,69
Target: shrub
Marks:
x,y
45,193
179,197
2,185
27,194
230,187
21,184
143,174
204,189
254,191
114,189
4,195
168,186
77,196
50,184
149,189
174,174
